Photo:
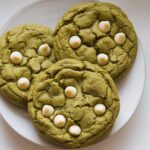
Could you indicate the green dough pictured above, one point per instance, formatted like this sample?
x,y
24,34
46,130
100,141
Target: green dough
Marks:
x,y
94,85
25,39
83,20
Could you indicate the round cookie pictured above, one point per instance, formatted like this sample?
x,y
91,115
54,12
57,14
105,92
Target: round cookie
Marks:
x,y
74,103
24,51
97,32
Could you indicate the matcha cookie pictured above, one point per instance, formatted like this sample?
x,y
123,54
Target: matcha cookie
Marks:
x,y
24,51
74,103
99,33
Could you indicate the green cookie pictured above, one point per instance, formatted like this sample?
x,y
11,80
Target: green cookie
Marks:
x,y
97,32
74,103
22,56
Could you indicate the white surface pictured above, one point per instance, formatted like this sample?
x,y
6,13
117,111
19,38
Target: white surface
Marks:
x,y
126,84
136,133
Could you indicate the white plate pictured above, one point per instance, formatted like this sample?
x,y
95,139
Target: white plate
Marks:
x,y
48,12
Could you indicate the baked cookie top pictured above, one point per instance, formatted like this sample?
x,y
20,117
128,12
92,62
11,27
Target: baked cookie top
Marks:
x,y
97,32
24,51
74,102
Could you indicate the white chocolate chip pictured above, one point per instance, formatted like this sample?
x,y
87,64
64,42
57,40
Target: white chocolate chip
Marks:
x,y
99,109
47,110
16,57
23,83
74,41
120,38
75,130
104,26
59,121
70,91
102,59
44,50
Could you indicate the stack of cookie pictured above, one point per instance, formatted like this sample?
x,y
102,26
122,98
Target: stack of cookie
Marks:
x,y
65,77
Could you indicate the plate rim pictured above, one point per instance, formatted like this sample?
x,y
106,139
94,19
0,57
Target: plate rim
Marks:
x,y
2,30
